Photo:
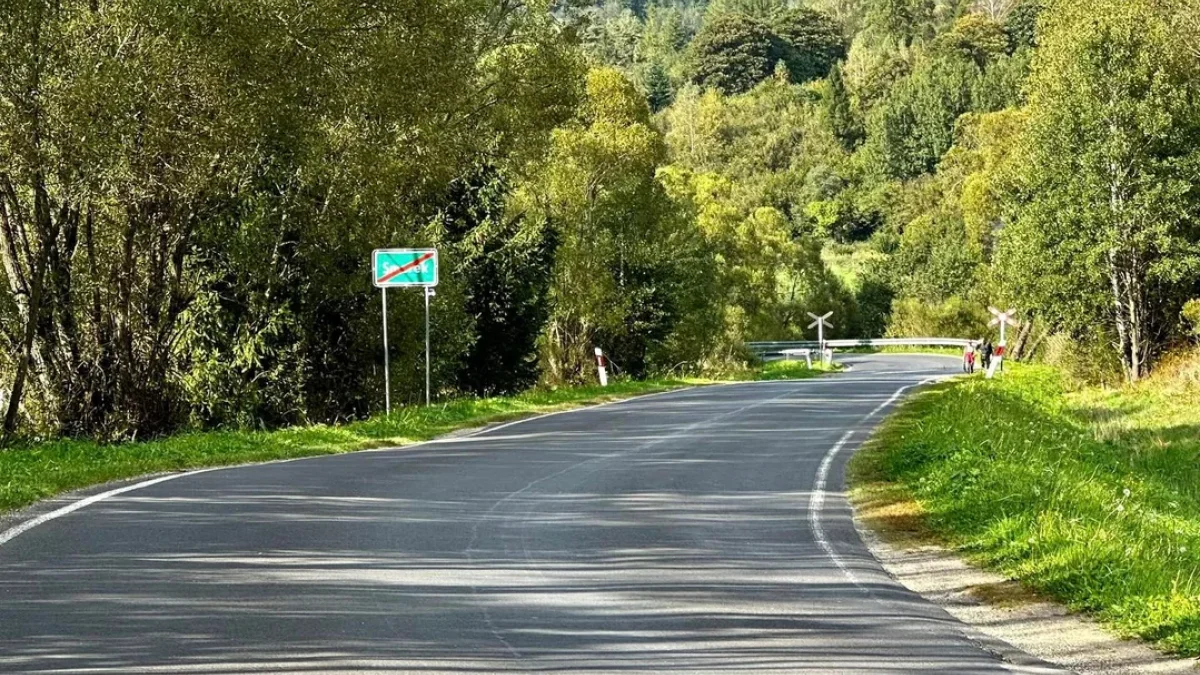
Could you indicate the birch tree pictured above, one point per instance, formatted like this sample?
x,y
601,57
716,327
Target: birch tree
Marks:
x,y
1110,174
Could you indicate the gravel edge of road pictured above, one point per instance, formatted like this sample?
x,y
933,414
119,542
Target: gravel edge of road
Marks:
x,y
1029,624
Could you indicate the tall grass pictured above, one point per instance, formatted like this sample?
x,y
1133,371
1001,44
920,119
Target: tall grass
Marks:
x,y
1091,496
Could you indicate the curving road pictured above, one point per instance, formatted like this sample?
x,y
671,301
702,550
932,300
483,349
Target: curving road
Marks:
x,y
698,531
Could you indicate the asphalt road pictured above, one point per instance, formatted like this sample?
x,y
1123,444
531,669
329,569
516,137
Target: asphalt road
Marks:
x,y
698,531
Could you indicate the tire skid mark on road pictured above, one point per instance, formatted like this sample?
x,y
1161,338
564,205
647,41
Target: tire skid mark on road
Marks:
x,y
592,465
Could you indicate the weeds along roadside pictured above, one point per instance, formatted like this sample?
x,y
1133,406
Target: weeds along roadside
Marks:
x,y
1090,496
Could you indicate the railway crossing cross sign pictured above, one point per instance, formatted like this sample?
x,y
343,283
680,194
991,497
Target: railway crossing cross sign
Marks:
x,y
821,323
1003,319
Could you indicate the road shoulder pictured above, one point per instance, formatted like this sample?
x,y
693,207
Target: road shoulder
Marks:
x,y
995,606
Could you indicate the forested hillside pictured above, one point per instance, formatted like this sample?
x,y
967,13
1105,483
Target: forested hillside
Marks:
x,y
190,192
944,156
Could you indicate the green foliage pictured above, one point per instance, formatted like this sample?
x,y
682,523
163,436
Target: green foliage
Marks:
x,y
913,126
758,9
809,43
620,245
505,262
844,120
1108,175
212,184
976,38
905,21
611,33
732,53
1021,25
659,91
1191,314
1090,497
955,317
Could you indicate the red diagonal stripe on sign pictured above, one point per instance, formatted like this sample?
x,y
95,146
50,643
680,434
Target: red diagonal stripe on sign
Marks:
x,y
406,268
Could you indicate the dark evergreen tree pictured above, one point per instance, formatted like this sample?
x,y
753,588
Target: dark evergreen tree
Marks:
x,y
903,20
732,53
843,119
807,42
506,263
1021,25
659,92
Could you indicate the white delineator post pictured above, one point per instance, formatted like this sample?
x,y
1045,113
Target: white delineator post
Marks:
x,y
601,367
1003,319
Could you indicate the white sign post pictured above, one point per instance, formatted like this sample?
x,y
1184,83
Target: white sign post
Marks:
x,y
404,268
1004,320
821,323
601,367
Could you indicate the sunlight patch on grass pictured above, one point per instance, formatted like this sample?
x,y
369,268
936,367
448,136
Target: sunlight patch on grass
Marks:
x,y
1092,496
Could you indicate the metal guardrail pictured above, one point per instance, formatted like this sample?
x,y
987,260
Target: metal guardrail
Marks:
x,y
770,349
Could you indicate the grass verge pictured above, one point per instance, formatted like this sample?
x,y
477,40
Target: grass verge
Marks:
x,y
35,472
792,370
936,351
1091,497
38,471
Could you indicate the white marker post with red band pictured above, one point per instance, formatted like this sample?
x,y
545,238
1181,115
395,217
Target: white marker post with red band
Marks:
x,y
602,367
1002,319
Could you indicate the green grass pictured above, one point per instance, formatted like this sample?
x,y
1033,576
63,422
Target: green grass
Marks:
x,y
37,471
31,473
1092,497
793,370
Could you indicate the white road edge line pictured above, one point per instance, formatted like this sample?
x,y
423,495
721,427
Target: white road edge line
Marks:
x,y
13,533
17,530
816,501
816,504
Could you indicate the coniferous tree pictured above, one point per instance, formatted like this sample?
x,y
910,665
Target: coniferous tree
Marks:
x,y
843,120
659,92
732,53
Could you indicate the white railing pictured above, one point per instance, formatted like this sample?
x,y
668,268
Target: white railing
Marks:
x,y
777,349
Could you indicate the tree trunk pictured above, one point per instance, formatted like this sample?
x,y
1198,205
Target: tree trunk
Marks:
x,y
1018,350
1120,316
43,222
